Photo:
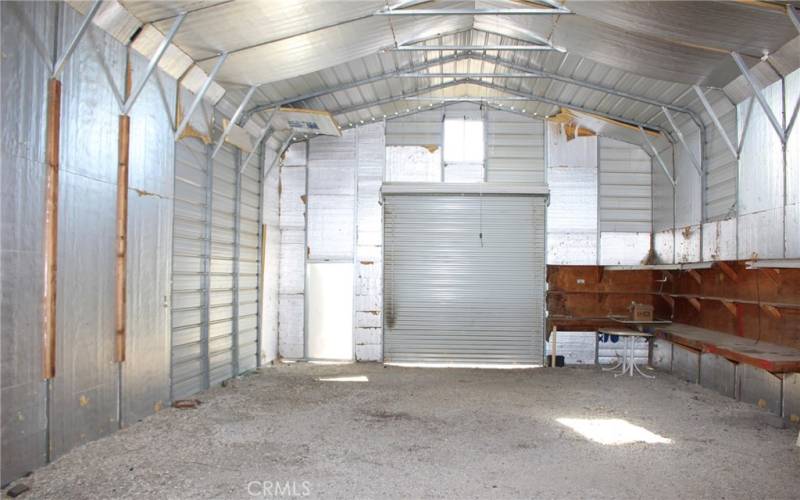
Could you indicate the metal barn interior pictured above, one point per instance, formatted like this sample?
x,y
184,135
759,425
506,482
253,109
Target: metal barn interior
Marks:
x,y
211,199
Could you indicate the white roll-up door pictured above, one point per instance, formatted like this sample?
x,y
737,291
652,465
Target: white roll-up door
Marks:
x,y
464,277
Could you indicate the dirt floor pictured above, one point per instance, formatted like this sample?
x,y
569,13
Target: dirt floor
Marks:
x,y
438,433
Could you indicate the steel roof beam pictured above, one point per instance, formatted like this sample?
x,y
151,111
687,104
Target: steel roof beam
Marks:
x,y
793,16
467,75
556,102
475,11
151,66
755,87
87,20
356,83
588,85
682,140
498,61
424,48
386,100
260,138
500,88
199,97
658,157
233,119
715,119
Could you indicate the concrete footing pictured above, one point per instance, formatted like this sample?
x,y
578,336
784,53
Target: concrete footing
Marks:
x,y
718,373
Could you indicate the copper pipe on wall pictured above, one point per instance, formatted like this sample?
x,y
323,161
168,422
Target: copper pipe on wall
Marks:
x,y
122,238
51,229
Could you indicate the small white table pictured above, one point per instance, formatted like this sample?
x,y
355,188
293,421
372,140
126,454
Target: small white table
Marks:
x,y
628,361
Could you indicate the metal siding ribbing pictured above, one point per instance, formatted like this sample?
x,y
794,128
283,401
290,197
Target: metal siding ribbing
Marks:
x,y
221,280
189,268
249,262
721,167
625,187
419,129
452,296
515,148
216,254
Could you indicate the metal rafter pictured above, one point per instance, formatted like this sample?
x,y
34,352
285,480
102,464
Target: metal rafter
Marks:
x,y
233,119
475,11
87,20
793,16
530,97
715,119
497,61
682,140
755,87
199,97
467,75
356,83
657,156
260,138
386,100
151,66
425,48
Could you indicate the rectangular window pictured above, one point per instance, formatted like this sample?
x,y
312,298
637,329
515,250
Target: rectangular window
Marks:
x,y
463,150
463,140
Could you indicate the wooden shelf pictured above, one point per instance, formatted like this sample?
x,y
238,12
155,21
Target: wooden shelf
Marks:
x,y
778,305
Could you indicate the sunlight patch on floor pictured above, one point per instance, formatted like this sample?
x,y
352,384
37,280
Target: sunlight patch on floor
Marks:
x,y
612,431
352,378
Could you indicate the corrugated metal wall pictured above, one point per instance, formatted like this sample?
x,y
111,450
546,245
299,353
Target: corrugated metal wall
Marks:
x,y
24,95
751,204
189,267
721,167
371,155
464,278
516,151
216,258
572,235
291,316
91,395
419,129
270,252
625,187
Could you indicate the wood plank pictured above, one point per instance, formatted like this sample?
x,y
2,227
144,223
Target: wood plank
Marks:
x,y
768,356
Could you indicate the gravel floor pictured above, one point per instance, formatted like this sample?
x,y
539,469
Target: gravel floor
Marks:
x,y
436,433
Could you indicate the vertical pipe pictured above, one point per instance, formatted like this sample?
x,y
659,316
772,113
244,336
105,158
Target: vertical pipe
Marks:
x,y
122,237
237,241
51,228
207,249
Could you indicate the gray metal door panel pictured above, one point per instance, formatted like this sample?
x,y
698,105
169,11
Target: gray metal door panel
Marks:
x,y
464,278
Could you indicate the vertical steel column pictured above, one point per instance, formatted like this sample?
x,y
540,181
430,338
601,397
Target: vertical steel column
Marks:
x,y
305,256
262,253
53,138
355,242
237,227
204,333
